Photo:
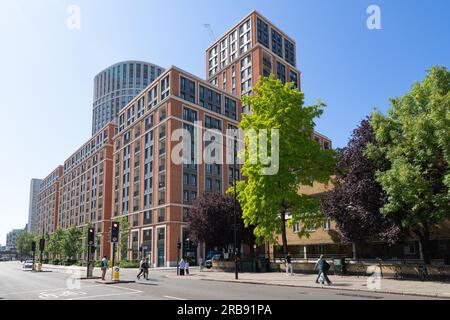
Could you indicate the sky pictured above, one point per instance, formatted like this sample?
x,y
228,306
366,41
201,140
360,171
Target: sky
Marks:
x,y
46,84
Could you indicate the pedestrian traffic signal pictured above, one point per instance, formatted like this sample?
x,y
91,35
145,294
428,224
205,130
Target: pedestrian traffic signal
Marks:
x,y
91,236
115,232
41,245
33,246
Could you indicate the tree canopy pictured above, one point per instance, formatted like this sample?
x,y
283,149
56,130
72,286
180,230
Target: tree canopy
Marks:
x,y
414,137
356,199
211,220
267,200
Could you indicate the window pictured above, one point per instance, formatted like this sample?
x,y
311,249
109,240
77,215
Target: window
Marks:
x,y
263,32
289,52
152,97
281,72
165,87
267,64
187,89
189,115
208,183
212,123
293,78
296,227
210,99
230,108
277,43
186,179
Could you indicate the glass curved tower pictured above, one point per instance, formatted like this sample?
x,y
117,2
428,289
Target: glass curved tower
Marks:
x,y
115,86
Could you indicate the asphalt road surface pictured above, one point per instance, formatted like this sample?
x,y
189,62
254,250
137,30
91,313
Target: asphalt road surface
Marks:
x,y
17,284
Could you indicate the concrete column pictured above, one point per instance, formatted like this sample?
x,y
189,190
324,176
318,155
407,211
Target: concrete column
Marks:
x,y
354,251
305,255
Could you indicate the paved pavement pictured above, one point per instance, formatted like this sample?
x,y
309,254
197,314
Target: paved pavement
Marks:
x,y
63,283
351,283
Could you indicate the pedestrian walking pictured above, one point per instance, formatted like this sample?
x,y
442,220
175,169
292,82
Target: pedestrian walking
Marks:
x,y
323,266
146,267
289,268
200,264
186,266
141,268
104,267
182,266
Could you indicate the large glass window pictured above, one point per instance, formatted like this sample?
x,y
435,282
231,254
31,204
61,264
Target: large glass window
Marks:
x,y
187,89
277,43
210,99
230,108
289,52
281,72
263,32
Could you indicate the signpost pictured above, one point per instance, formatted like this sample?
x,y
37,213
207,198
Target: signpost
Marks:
x,y
115,228
90,244
178,255
33,248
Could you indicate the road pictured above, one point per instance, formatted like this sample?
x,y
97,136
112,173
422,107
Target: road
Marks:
x,y
17,284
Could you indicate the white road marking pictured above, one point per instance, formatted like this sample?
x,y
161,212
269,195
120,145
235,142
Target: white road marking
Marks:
x,y
104,295
43,290
175,298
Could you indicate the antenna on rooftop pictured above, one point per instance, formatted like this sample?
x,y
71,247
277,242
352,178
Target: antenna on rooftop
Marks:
x,y
210,32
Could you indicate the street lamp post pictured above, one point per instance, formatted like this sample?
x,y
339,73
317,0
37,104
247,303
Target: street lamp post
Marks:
x,y
236,272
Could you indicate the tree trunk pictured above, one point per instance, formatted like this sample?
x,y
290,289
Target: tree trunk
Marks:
x,y
283,232
424,238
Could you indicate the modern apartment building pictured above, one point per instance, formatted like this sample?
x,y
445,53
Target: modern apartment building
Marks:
x,y
115,86
252,48
48,202
35,185
86,188
11,238
150,187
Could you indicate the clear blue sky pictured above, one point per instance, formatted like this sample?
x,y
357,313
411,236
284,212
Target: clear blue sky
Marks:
x,y
47,69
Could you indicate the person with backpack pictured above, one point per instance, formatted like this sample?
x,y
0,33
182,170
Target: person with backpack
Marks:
x,y
323,266
104,267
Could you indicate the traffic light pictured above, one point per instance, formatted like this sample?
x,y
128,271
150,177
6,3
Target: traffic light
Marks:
x,y
41,245
115,232
93,248
91,236
33,246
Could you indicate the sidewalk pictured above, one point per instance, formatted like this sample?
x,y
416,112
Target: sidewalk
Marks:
x,y
417,288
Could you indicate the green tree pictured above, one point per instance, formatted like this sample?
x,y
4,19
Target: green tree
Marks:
x,y
71,243
124,226
54,246
415,139
23,243
267,200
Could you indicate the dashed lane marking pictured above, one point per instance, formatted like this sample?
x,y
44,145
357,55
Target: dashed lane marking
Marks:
x,y
175,298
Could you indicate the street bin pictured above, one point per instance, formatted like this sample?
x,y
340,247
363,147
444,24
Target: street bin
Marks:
x,y
38,267
116,273
339,266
